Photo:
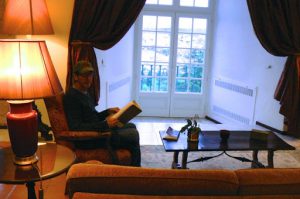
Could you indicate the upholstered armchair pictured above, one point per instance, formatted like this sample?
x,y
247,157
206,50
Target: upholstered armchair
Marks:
x,y
64,136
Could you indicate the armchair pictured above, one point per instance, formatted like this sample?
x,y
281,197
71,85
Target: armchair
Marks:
x,y
64,136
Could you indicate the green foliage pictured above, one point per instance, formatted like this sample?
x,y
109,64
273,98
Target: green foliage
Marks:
x,y
190,126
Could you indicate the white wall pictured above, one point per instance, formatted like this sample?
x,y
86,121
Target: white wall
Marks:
x,y
237,54
115,68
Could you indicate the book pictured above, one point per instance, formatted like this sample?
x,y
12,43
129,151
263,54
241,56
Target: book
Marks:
x,y
171,134
129,111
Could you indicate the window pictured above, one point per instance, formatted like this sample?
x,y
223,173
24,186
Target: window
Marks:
x,y
172,43
157,50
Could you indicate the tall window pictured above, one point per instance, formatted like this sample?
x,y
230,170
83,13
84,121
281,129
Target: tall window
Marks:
x,y
172,43
173,39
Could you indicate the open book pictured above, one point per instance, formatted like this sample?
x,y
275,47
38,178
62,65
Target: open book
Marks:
x,y
128,112
171,134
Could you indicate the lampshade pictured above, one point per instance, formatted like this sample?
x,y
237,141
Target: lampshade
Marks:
x,y
26,70
26,17
26,73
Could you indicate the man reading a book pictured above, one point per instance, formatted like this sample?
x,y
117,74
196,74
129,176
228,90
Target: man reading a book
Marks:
x,y
82,115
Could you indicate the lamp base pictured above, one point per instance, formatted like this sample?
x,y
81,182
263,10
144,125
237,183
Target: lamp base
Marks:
x,y
26,160
23,131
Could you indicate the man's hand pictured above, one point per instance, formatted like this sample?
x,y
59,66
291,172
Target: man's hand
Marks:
x,y
113,110
112,122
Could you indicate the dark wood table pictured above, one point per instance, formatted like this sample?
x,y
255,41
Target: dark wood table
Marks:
x,y
53,160
238,141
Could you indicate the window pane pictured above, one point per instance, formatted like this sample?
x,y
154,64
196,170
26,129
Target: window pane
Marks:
x,y
166,2
163,39
162,54
182,71
148,53
149,22
197,56
187,3
148,38
196,72
183,56
185,25
164,24
194,3
147,70
198,41
161,84
201,3
151,2
200,25
195,86
146,84
184,40
161,70
181,85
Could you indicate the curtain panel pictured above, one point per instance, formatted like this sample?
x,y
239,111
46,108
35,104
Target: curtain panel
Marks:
x,y
277,26
98,24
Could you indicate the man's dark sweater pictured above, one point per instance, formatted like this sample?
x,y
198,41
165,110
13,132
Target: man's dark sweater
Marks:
x,y
81,113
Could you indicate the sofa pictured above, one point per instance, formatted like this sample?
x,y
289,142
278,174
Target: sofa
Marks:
x,y
94,180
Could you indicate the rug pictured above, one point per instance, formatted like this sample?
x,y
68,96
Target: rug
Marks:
x,y
156,157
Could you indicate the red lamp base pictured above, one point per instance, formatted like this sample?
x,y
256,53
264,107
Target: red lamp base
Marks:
x,y
22,126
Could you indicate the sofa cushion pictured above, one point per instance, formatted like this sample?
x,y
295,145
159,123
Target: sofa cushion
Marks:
x,y
277,181
146,181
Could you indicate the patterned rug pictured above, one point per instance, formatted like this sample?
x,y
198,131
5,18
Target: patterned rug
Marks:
x,y
156,157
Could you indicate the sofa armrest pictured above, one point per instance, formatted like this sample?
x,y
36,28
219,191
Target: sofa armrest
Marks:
x,y
107,179
83,135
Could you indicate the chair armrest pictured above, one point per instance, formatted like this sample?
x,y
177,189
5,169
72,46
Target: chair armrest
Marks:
x,y
83,135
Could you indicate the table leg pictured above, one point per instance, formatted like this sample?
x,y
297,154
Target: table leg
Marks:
x,y
270,159
254,158
184,159
30,190
175,160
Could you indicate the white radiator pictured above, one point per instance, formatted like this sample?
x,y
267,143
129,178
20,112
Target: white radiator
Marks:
x,y
233,100
118,91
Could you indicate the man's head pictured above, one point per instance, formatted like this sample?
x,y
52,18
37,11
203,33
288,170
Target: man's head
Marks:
x,y
83,67
83,75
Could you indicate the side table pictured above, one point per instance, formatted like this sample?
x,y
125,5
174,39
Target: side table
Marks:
x,y
54,160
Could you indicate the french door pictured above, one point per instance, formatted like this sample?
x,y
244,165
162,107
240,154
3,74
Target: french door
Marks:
x,y
172,51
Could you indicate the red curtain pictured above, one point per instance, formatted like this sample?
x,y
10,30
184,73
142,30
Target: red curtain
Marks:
x,y
98,24
277,26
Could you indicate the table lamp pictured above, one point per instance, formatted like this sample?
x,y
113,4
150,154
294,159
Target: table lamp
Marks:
x,y
26,17
26,73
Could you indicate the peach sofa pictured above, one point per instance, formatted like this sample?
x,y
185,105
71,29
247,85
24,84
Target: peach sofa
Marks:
x,y
99,181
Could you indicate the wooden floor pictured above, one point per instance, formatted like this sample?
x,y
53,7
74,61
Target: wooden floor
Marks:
x,y
148,128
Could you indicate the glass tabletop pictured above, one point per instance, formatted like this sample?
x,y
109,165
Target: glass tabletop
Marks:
x,y
53,160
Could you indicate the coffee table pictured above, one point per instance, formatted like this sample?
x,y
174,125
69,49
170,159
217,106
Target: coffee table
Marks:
x,y
238,141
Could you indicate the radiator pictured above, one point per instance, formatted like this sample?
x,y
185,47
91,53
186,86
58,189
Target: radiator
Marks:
x,y
118,92
233,101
